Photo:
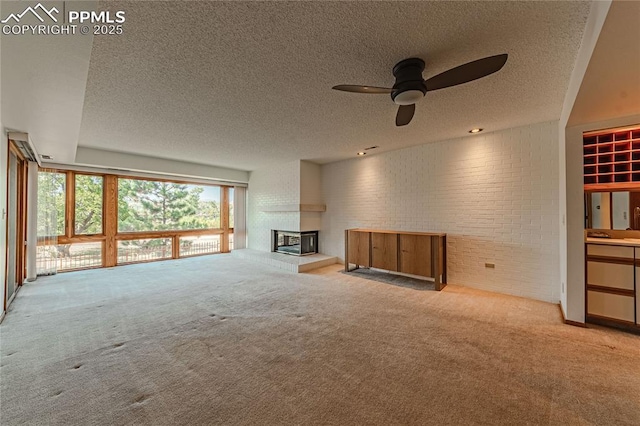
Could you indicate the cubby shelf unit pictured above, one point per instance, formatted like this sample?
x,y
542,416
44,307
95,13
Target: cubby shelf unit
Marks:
x,y
612,158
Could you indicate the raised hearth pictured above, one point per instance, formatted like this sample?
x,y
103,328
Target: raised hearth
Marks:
x,y
288,263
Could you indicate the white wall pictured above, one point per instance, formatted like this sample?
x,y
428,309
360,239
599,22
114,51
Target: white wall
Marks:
x,y
495,195
597,16
132,162
596,210
620,210
310,193
281,190
274,186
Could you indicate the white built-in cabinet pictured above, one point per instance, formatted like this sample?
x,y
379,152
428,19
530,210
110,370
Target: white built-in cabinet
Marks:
x,y
613,284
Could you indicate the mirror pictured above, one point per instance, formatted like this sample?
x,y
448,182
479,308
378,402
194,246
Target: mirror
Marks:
x,y
612,210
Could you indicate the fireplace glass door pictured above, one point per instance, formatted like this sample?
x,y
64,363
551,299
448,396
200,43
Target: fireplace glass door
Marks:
x,y
295,243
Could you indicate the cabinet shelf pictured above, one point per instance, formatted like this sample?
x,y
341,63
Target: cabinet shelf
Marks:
x,y
611,157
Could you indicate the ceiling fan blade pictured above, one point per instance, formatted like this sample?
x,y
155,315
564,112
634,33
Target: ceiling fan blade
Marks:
x,y
467,72
405,114
361,89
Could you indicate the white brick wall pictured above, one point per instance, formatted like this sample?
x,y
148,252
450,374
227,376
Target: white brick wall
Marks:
x,y
310,193
298,182
270,187
495,195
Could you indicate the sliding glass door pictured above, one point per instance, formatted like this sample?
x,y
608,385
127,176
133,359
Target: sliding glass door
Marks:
x,y
15,223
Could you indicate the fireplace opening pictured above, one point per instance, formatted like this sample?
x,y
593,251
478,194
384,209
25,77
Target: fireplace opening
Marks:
x,y
294,243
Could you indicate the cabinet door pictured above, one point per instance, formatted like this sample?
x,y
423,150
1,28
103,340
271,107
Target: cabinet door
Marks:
x,y
637,294
415,255
384,251
608,305
359,248
612,275
609,251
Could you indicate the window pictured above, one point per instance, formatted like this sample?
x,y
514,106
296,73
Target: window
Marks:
x,y
144,250
67,257
146,205
231,207
51,203
81,224
88,211
205,244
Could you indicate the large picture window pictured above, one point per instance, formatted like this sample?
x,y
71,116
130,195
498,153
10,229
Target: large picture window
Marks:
x,y
83,224
146,205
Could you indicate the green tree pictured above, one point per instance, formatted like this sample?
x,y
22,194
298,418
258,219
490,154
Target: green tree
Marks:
x,y
208,215
89,196
51,199
149,205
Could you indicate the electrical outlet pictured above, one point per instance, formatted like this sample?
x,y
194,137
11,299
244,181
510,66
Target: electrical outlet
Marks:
x,y
490,265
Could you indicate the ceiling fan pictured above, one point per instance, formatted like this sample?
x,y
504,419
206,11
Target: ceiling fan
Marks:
x,y
410,87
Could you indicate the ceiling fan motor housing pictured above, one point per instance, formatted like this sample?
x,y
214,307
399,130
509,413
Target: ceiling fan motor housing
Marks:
x,y
409,87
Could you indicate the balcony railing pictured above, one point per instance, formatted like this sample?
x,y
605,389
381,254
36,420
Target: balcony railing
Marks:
x,y
67,257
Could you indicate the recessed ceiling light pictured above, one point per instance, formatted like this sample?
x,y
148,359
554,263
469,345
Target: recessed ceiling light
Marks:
x,y
476,130
362,153
46,157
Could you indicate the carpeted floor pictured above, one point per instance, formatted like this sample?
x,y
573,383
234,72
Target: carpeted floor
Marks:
x,y
218,340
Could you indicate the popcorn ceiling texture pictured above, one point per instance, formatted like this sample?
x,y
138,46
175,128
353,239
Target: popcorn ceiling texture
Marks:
x,y
495,195
248,84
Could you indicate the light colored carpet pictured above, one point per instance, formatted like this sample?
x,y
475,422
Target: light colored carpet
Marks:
x,y
218,340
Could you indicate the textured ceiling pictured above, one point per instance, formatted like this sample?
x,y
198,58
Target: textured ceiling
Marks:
x,y
248,84
611,85
43,84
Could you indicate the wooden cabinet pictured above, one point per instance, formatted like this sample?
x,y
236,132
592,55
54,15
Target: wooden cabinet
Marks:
x,y
413,253
384,251
638,292
358,251
612,278
610,275
637,282
610,305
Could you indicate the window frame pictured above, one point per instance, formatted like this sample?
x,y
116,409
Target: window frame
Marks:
x,y
110,235
73,213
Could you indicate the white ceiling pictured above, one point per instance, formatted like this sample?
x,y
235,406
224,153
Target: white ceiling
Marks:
x,y
43,83
248,84
611,85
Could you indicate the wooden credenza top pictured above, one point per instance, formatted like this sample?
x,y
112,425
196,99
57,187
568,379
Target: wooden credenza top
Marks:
x,y
383,231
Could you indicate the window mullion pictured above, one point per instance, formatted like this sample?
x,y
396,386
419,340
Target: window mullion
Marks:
x,y
70,205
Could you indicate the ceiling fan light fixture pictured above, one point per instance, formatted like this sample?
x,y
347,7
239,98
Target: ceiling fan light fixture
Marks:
x,y
476,130
410,85
408,97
